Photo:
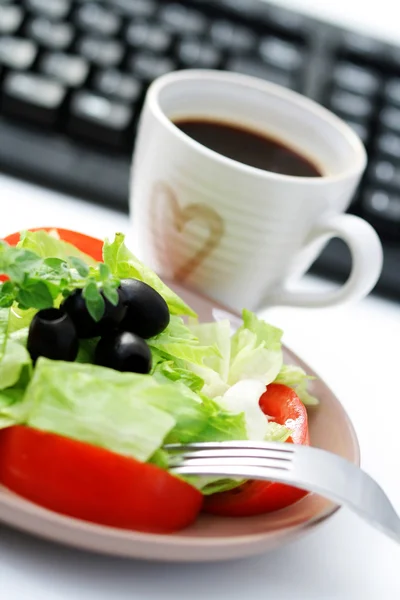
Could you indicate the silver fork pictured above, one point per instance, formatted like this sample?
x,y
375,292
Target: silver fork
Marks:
x,y
308,468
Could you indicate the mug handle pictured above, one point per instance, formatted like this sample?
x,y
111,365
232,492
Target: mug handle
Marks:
x,y
367,260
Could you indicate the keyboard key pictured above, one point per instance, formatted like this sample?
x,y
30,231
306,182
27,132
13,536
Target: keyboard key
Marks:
x,y
234,38
118,85
273,17
358,80
283,20
252,6
17,53
384,173
69,69
350,105
382,204
97,20
194,53
361,45
148,66
392,91
53,9
105,53
388,144
259,69
99,119
10,19
57,36
148,36
33,97
281,54
179,19
134,8
389,118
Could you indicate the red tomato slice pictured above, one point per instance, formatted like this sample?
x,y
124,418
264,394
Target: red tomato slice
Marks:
x,y
283,404
258,497
94,484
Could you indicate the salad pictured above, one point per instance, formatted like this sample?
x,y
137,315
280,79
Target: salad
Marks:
x,y
102,365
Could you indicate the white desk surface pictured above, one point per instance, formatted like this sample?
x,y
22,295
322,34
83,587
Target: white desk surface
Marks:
x,y
356,349
378,18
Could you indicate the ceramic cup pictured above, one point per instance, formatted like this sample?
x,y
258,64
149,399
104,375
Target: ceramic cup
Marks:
x,y
238,234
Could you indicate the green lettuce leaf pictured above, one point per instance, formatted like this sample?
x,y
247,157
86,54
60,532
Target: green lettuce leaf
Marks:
x,y
200,418
212,485
127,413
296,378
99,406
14,357
19,319
124,264
214,369
256,351
304,395
243,397
186,353
4,324
49,245
168,369
276,433
222,425
178,344
10,403
86,350
176,331
216,334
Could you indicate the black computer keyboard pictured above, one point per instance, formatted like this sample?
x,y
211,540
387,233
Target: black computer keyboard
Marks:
x,y
73,74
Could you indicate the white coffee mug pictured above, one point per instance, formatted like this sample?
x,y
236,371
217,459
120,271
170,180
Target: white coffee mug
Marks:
x,y
236,233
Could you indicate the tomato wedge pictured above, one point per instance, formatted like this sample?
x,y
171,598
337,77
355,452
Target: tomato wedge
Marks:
x,y
258,497
90,483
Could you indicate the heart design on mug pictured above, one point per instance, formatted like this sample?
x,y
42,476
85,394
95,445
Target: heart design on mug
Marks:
x,y
181,216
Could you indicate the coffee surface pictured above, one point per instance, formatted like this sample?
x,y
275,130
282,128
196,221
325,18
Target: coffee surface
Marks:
x,y
248,147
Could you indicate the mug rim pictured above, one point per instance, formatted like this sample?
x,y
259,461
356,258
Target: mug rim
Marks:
x,y
309,105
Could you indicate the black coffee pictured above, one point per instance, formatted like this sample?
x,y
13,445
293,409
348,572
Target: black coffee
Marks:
x,y
248,147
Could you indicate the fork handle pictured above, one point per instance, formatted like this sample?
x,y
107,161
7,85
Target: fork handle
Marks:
x,y
362,495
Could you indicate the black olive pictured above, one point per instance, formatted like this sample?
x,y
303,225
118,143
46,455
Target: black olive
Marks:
x,y
123,351
86,326
148,313
52,334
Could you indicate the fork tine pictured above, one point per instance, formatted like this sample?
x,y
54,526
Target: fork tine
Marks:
x,y
242,445
227,453
272,455
234,472
232,461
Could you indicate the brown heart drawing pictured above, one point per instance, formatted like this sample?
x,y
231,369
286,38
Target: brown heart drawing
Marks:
x,y
181,216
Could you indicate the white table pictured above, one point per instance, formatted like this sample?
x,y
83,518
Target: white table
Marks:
x,y
378,18
356,349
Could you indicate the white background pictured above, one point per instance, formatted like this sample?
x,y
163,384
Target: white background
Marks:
x,y
377,17
356,349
